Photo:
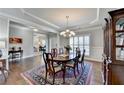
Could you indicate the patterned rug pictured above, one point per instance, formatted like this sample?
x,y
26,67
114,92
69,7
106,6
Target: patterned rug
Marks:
x,y
2,78
36,76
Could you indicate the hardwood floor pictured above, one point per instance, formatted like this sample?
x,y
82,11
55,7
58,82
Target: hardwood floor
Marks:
x,y
20,66
96,73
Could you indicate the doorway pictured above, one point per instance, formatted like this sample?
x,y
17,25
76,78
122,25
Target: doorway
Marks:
x,y
39,43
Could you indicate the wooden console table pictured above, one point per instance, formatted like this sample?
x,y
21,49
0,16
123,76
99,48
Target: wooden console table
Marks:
x,y
16,54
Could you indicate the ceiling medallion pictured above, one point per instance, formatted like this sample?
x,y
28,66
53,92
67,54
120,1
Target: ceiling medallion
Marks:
x,y
67,32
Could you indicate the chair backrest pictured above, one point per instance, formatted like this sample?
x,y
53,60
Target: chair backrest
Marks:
x,y
78,52
45,58
82,58
48,59
77,57
76,60
54,52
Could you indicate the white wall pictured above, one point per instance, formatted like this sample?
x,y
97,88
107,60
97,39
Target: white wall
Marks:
x,y
96,43
27,37
63,41
53,41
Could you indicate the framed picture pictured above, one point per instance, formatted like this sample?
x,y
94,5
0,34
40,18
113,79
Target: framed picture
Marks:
x,y
15,40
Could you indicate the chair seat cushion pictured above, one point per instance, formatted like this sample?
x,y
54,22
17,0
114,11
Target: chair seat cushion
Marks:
x,y
58,68
70,63
56,65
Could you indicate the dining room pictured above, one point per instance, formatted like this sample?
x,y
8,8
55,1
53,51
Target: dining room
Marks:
x,y
69,45
61,46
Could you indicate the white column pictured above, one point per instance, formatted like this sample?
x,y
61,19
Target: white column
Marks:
x,y
58,41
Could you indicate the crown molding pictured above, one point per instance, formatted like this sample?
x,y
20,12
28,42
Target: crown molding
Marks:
x,y
28,29
97,16
40,19
26,22
90,28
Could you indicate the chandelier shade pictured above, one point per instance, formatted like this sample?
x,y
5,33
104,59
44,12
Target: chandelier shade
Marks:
x,y
67,32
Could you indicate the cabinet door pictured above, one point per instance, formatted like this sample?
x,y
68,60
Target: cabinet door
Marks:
x,y
119,34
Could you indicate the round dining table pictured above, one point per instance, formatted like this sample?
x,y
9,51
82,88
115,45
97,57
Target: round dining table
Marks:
x,y
63,59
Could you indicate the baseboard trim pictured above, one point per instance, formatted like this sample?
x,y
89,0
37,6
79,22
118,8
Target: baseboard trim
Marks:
x,y
93,59
28,56
34,55
24,57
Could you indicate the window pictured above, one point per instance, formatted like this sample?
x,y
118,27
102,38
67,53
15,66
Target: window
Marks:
x,y
83,42
86,44
75,44
71,44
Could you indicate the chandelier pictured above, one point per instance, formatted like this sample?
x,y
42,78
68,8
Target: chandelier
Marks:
x,y
67,32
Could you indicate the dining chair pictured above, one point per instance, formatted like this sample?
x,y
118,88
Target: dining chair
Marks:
x,y
82,59
49,66
78,55
54,52
78,52
73,64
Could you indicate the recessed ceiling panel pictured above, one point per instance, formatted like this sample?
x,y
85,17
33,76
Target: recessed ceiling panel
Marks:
x,y
57,16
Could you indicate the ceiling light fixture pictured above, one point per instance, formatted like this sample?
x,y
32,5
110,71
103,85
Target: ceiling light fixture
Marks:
x,y
31,27
67,32
35,29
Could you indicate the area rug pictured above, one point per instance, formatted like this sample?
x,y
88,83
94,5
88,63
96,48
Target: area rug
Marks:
x,y
36,76
2,78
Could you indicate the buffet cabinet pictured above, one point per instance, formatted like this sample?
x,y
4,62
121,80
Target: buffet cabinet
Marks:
x,y
114,48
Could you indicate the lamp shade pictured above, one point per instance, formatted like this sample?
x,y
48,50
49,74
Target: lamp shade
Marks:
x,y
2,44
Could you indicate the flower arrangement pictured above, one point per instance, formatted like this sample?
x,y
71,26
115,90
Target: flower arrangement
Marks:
x,y
68,48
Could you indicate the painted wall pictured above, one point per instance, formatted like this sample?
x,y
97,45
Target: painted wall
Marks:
x,y
96,43
63,41
27,37
53,41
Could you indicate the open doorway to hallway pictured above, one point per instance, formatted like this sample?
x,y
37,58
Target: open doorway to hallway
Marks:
x,y
39,43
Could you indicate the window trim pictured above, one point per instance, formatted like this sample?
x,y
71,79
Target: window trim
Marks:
x,y
83,45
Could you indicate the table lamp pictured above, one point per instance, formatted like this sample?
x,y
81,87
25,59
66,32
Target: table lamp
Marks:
x,y
2,46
